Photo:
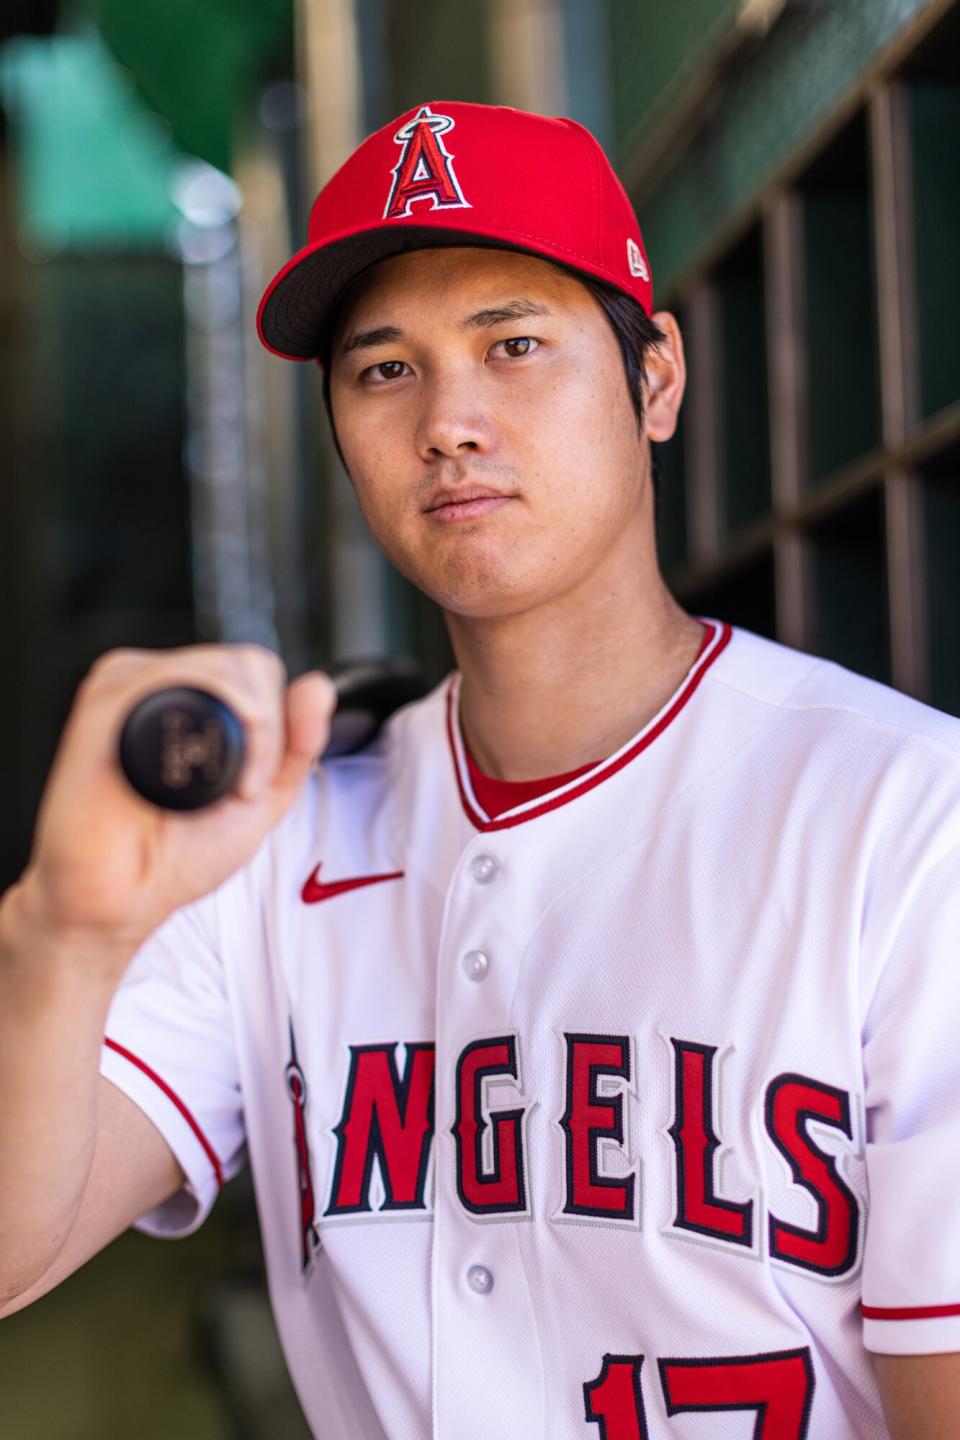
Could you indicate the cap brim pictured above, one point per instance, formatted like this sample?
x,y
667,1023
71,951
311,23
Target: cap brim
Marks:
x,y
297,307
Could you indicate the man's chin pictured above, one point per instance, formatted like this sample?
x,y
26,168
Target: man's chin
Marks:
x,y
493,603
484,579
478,587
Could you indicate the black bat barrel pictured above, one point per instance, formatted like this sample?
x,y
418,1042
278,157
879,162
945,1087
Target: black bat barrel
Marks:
x,y
182,748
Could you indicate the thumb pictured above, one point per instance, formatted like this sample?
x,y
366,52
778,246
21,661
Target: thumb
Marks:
x,y
310,702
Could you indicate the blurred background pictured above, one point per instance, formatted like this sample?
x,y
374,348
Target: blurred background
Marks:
x,y
163,481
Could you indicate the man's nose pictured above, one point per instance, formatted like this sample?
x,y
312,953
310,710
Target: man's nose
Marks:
x,y
453,419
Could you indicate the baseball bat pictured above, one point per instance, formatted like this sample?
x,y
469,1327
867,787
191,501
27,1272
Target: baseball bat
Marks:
x,y
183,748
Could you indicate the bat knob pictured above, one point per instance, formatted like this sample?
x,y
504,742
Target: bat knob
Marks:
x,y
182,748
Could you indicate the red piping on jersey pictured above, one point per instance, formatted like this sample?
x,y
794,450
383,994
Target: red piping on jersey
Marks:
x,y
208,1149
715,640
916,1312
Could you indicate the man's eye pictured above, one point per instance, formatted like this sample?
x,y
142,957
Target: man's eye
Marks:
x,y
519,346
384,370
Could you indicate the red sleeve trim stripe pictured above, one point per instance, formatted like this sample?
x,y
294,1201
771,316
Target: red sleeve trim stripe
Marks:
x,y
172,1096
915,1312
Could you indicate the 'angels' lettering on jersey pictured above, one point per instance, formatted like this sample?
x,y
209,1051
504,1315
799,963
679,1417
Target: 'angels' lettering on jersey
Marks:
x,y
490,1154
598,1073
387,1122
792,1101
700,1209
297,1091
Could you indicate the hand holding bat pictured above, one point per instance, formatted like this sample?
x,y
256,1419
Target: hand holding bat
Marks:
x,y
106,868
183,748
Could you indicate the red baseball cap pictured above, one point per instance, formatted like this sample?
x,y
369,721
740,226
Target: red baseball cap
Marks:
x,y
453,173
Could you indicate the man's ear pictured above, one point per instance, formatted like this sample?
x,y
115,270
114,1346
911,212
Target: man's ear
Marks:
x,y
665,378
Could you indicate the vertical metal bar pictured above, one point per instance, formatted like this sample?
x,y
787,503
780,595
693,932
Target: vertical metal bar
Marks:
x,y
789,411
527,54
270,411
903,499
899,388
328,66
896,287
784,280
233,589
794,587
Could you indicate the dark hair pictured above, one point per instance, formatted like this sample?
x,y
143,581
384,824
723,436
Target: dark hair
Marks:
x,y
636,333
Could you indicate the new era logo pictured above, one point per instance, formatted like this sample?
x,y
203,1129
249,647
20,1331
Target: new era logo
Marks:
x,y
638,266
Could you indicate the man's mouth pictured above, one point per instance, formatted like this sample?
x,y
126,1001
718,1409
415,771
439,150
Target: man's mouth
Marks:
x,y
450,505
449,511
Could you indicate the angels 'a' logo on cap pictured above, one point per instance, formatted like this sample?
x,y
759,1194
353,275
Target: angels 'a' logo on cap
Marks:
x,y
425,168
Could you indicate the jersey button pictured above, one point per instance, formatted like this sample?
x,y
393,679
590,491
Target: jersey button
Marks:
x,y
476,964
480,1279
483,868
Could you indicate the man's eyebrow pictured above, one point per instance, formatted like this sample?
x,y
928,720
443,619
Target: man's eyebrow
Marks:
x,y
367,339
480,320
496,315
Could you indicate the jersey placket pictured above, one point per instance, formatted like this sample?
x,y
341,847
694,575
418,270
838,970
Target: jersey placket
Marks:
x,y
484,1323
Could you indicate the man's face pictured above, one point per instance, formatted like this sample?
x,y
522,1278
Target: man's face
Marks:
x,y
462,373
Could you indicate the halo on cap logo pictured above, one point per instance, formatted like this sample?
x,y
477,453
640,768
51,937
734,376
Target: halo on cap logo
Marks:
x,y
635,260
425,168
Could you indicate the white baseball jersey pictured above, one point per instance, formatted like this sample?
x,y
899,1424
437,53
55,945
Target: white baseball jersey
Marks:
x,y
631,1113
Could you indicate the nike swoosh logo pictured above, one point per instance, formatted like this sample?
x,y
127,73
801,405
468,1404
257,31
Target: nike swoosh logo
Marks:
x,y
315,889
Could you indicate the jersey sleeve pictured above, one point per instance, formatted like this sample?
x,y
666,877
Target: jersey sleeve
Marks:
x,y
169,1046
911,1271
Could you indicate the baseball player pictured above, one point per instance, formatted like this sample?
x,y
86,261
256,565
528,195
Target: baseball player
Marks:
x,y
591,1035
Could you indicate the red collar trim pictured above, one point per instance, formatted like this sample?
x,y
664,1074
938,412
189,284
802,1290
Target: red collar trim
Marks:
x,y
716,640
498,796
